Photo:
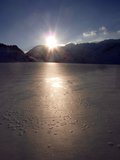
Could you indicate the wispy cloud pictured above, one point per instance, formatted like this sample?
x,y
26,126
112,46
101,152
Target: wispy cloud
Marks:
x,y
99,34
103,29
118,31
89,34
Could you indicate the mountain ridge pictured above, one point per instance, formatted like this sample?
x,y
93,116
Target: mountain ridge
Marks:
x,y
12,53
104,52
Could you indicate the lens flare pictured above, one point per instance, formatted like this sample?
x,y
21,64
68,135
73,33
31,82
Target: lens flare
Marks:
x,y
51,42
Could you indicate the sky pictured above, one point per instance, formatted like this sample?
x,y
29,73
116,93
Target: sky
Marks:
x,y
26,23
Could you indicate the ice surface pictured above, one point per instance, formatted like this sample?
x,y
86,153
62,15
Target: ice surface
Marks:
x,y
51,111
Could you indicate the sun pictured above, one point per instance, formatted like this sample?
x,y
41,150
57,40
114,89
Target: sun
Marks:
x,y
51,42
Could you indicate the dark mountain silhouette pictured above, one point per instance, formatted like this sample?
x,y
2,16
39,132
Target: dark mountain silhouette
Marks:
x,y
12,54
38,53
105,52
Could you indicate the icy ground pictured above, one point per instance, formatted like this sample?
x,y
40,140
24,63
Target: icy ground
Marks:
x,y
52,111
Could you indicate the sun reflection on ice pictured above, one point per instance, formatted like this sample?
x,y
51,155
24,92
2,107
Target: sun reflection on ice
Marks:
x,y
55,82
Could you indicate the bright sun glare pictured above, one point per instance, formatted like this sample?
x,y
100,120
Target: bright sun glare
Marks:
x,y
51,42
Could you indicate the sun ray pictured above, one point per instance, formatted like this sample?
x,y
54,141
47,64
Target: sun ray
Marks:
x,y
51,42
